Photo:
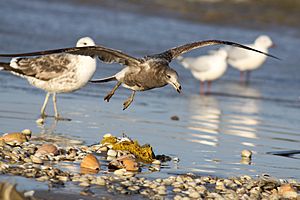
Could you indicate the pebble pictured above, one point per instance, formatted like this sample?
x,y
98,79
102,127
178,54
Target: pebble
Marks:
x,y
119,172
246,153
36,159
107,135
156,162
112,153
287,191
40,121
194,195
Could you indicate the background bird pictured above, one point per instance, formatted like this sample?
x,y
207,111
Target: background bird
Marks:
x,y
54,73
247,61
206,68
138,74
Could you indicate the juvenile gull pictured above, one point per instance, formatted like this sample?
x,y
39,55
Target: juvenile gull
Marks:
x,y
55,73
206,68
138,74
247,61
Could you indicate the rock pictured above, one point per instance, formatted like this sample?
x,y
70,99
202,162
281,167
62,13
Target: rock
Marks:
x,y
90,162
47,149
36,159
156,162
194,195
107,135
100,181
175,118
246,153
40,121
287,191
120,172
112,153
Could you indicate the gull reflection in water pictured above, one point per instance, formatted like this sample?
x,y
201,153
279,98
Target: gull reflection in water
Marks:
x,y
204,120
243,119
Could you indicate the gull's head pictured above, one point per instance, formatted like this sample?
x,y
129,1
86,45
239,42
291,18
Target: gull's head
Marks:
x,y
85,41
171,77
222,53
264,41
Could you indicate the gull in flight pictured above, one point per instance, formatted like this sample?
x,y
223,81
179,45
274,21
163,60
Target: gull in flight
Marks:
x,y
138,74
247,61
206,68
55,73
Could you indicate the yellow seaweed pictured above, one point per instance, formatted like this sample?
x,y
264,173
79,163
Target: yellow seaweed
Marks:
x,y
145,152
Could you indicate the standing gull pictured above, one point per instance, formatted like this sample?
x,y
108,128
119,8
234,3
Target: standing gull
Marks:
x,y
206,68
247,61
55,73
138,74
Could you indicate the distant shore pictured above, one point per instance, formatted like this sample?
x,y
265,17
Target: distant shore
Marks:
x,y
244,13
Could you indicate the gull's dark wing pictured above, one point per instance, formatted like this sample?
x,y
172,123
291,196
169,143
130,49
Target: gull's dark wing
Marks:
x,y
106,55
176,51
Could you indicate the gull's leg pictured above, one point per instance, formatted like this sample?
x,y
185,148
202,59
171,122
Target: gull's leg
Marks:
x,y
248,73
242,77
56,115
43,114
208,87
111,93
129,100
202,87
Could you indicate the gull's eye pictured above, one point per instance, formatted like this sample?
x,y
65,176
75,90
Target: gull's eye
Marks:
x,y
168,76
84,43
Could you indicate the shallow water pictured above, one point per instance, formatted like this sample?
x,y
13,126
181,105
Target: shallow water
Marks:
x,y
212,130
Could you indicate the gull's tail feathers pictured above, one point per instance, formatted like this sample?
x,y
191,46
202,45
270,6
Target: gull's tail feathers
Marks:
x,y
4,66
103,80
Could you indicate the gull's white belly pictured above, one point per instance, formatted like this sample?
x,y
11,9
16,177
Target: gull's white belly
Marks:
x,y
73,79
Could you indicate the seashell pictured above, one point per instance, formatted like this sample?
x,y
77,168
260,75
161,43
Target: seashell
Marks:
x,y
47,149
286,191
90,162
15,138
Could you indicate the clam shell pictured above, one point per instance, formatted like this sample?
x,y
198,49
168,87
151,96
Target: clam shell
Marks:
x,y
47,149
90,162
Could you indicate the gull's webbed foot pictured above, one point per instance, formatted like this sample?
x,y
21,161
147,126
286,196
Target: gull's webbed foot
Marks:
x,y
108,96
127,103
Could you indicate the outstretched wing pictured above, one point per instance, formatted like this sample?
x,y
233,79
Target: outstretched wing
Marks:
x,y
176,51
43,68
106,55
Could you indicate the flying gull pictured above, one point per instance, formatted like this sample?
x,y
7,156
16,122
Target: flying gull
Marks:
x,y
206,68
138,74
55,73
247,61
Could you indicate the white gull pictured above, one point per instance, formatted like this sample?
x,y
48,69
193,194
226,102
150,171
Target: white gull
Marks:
x,y
206,68
247,61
